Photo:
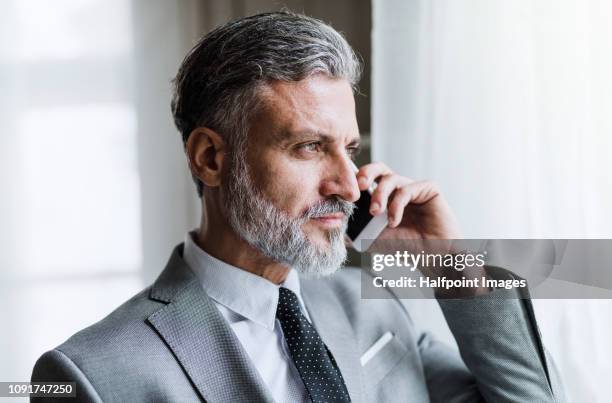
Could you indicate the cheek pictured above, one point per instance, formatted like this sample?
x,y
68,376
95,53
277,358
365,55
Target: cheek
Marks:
x,y
291,188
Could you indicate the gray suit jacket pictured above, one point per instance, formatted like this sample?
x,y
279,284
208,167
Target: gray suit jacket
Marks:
x,y
170,343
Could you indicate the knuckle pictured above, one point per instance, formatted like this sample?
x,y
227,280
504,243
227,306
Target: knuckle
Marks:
x,y
382,166
433,186
364,170
386,183
402,192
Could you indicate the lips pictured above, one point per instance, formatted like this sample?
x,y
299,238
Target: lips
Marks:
x,y
330,221
333,216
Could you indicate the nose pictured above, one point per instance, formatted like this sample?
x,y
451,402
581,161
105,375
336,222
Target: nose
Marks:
x,y
340,180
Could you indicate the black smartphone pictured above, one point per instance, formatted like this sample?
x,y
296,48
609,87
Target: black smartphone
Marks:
x,y
363,228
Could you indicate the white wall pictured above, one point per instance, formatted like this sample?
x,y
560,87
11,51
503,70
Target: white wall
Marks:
x,y
95,192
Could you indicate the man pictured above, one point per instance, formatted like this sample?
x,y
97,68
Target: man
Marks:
x,y
254,307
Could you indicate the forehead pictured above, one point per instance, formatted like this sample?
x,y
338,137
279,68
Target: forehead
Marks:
x,y
318,104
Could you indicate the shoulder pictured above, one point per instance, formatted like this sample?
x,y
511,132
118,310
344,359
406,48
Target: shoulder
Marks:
x,y
121,349
123,329
127,328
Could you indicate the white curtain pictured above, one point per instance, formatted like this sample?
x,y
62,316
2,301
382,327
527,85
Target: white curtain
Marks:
x,y
506,105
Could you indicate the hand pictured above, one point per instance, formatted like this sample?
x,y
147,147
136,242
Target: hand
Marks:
x,y
416,209
418,217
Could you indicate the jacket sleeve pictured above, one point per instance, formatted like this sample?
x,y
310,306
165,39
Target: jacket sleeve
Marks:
x,y
502,358
55,366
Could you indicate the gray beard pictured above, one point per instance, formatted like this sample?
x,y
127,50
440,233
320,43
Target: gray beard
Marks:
x,y
277,235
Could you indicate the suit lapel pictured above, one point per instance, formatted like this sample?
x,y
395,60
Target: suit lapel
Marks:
x,y
328,317
200,338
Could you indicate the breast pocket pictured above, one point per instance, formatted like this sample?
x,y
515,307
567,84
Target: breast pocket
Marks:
x,y
380,358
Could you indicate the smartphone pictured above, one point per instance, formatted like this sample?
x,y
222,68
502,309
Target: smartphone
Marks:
x,y
363,228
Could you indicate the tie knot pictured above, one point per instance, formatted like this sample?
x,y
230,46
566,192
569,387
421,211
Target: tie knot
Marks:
x,y
288,304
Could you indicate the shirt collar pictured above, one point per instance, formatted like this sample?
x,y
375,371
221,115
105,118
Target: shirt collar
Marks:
x,y
244,293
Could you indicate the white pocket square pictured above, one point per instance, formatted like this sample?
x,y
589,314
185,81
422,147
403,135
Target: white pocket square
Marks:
x,y
375,348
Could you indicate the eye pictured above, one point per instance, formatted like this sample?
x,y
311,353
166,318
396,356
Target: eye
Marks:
x,y
310,147
353,151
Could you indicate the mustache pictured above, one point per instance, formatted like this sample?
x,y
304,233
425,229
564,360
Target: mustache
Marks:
x,y
330,206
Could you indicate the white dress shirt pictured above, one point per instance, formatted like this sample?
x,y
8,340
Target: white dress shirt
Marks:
x,y
248,303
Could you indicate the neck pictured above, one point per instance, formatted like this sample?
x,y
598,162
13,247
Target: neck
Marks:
x,y
219,240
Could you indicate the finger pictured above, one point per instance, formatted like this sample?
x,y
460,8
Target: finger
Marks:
x,y
422,191
386,186
412,193
399,201
370,172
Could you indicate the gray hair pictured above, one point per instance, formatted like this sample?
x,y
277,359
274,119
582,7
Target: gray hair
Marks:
x,y
217,83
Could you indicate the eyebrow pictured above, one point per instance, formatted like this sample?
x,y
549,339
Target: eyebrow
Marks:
x,y
323,137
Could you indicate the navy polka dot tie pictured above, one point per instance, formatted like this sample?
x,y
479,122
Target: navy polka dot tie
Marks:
x,y
313,360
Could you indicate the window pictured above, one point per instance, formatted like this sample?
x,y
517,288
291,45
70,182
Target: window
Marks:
x,y
70,206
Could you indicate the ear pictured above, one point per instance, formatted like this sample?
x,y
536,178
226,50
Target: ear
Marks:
x,y
206,151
